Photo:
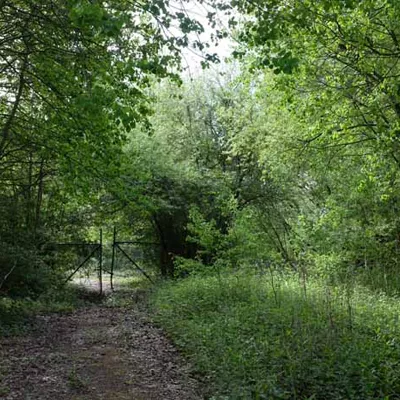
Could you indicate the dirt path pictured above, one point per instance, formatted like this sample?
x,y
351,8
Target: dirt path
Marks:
x,y
99,352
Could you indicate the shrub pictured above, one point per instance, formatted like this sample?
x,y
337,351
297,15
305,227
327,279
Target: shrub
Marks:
x,y
275,337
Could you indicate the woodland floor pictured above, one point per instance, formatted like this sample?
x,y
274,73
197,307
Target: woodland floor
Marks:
x,y
97,352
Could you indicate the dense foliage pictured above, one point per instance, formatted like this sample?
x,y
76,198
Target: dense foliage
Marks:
x,y
284,162
265,337
73,76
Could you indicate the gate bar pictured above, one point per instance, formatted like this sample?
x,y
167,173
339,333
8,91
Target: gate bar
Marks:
x,y
134,263
82,263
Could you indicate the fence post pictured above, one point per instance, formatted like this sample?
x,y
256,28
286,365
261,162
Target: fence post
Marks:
x,y
113,259
101,262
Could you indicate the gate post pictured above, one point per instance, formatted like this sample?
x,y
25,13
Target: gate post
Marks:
x,y
113,259
101,262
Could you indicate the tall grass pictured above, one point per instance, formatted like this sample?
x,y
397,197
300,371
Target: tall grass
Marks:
x,y
280,337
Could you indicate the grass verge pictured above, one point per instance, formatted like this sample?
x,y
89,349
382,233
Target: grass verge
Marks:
x,y
276,337
16,315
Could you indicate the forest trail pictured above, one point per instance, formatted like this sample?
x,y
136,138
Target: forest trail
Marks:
x,y
96,352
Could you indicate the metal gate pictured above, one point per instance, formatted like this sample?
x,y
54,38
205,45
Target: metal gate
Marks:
x,y
97,251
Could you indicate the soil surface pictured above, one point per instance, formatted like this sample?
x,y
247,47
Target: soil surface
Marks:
x,y
97,352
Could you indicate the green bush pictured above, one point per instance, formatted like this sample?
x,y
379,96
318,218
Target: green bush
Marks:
x,y
28,272
278,337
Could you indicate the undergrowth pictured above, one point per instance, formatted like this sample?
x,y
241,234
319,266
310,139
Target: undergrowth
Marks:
x,y
278,337
16,315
